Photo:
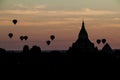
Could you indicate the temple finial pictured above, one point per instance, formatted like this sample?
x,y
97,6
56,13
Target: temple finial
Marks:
x,y
83,22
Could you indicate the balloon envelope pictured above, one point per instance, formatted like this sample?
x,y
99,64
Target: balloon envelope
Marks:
x,y
25,37
103,41
98,41
21,38
15,21
48,42
52,37
10,35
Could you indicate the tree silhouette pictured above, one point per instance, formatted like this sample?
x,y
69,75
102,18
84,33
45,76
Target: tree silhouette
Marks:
x,y
26,49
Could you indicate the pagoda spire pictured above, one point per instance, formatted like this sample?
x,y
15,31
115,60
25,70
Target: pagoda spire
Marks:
x,y
83,33
83,24
82,44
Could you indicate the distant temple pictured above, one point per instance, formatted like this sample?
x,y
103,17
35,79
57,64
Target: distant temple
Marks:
x,y
107,49
83,44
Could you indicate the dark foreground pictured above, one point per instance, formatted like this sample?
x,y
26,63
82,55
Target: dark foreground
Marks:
x,y
57,57
57,61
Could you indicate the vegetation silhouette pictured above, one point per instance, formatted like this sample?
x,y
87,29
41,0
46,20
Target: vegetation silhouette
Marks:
x,y
35,50
26,49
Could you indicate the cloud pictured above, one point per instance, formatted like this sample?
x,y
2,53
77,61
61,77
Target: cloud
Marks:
x,y
20,7
41,17
40,7
27,7
19,12
86,12
117,19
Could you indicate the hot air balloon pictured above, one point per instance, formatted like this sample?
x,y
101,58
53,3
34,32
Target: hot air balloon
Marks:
x,y
25,37
21,38
103,41
52,37
48,42
98,41
15,21
10,35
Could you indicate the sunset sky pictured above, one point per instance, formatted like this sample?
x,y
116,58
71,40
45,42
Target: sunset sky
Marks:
x,y
41,18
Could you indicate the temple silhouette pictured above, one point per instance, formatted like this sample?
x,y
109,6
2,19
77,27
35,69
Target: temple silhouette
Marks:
x,y
82,44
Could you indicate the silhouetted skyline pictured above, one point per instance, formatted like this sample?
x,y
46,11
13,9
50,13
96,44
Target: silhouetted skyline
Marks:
x,y
82,51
